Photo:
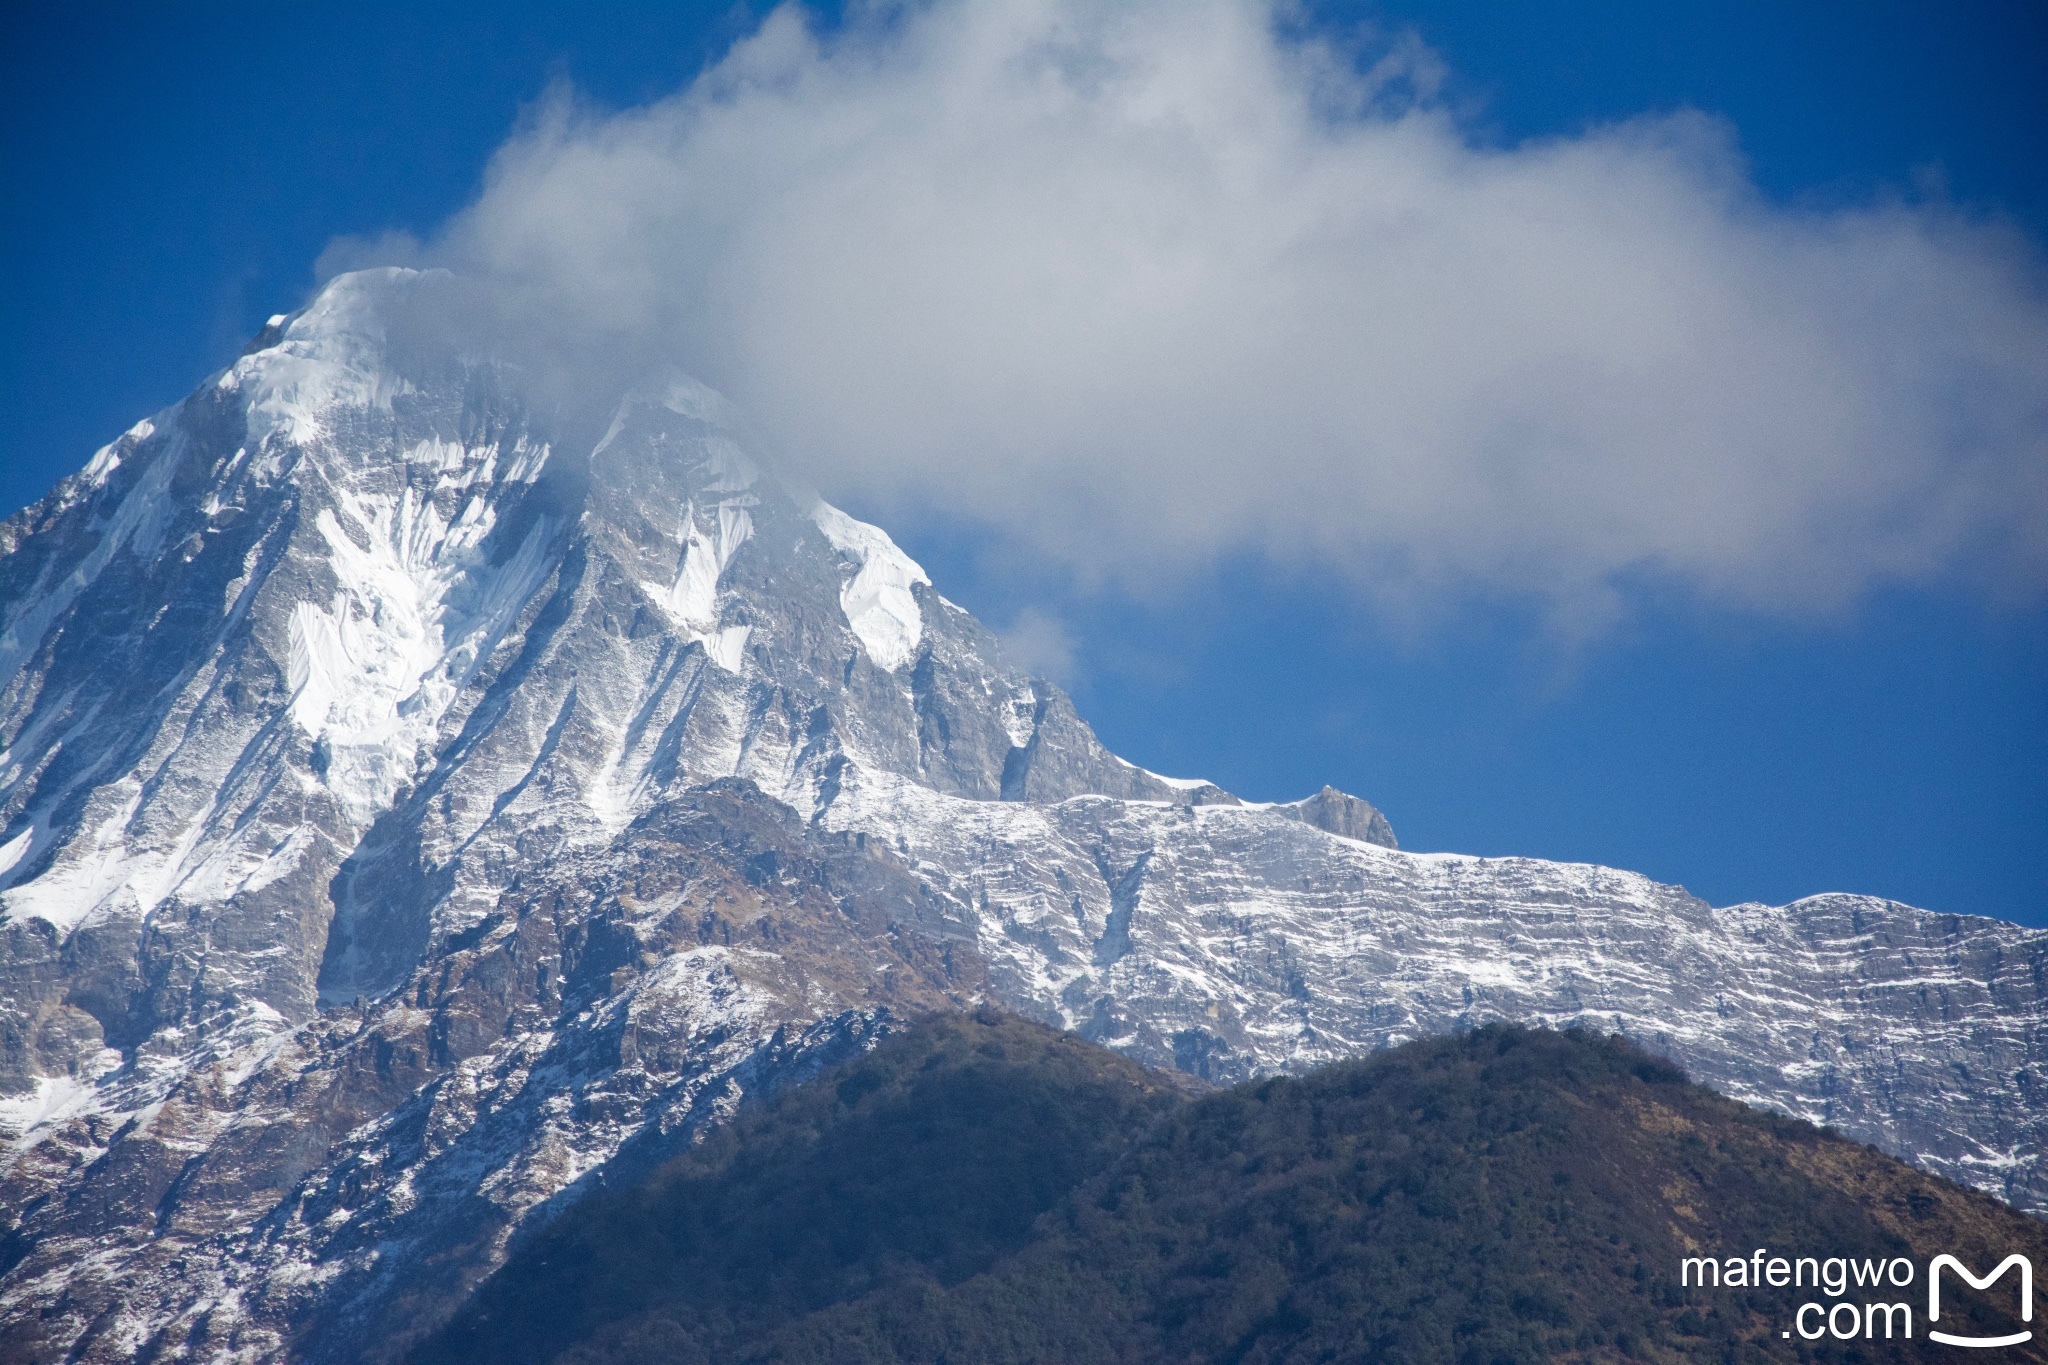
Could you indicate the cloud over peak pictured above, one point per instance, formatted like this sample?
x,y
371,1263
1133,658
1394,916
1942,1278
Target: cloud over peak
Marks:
x,y
1144,283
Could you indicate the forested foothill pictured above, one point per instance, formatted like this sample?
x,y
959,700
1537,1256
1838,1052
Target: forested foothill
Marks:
x,y
983,1189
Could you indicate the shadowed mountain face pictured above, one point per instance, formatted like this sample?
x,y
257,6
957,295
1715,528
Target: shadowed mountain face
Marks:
x,y
422,798
981,1189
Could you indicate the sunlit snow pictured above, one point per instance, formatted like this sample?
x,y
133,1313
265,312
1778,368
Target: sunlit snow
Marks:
x,y
877,600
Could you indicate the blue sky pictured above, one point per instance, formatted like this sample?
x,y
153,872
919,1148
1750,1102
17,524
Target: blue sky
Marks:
x,y
182,169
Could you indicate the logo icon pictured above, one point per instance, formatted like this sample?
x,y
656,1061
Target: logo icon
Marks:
x,y
2026,1298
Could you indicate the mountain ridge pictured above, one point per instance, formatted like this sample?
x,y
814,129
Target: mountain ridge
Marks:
x,y
330,950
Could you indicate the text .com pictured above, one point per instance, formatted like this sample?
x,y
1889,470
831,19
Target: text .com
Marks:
x,y
1864,1295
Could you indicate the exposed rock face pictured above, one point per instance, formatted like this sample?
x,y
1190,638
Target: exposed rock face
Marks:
x,y
350,1180
1332,810
417,797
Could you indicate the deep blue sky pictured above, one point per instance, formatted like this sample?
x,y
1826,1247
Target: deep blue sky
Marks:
x,y
172,171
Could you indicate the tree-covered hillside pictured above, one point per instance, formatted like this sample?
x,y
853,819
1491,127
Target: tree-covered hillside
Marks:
x,y
981,1189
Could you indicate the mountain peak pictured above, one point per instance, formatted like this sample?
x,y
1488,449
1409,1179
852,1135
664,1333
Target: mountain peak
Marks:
x,y
421,788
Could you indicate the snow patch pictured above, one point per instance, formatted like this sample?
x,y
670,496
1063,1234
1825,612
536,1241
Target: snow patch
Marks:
x,y
877,600
331,355
94,868
373,671
55,1100
728,647
107,458
1491,972
233,871
1181,784
12,851
458,466
1020,717
694,598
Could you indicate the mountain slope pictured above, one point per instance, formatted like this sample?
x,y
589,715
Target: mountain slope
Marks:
x,y
422,791
928,1160
1501,1196
1220,941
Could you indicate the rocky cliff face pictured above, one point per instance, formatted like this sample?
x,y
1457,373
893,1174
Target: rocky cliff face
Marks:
x,y
419,798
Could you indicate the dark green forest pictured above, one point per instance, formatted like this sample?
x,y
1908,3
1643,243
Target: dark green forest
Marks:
x,y
982,1189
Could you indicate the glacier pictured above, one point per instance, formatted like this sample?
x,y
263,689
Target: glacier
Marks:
x,y
423,800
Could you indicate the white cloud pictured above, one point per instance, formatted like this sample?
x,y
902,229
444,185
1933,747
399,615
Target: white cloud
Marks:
x,y
1144,283
1040,643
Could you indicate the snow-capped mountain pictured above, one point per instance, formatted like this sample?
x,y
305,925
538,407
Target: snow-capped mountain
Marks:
x,y
422,800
